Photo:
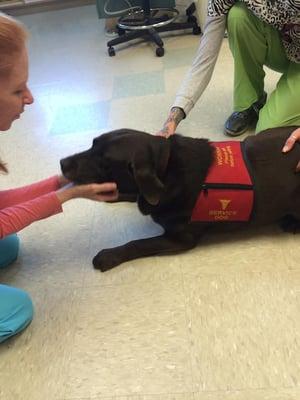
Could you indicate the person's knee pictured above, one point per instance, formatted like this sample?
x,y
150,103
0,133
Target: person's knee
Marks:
x,y
9,250
237,16
16,311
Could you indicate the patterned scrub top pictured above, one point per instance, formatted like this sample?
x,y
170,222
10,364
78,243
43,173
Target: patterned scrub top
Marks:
x,y
284,15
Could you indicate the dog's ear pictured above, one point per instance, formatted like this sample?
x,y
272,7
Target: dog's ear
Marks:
x,y
149,165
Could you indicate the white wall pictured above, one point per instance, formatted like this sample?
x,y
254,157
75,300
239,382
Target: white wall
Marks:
x,y
201,6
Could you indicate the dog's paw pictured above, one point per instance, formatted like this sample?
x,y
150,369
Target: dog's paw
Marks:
x,y
106,259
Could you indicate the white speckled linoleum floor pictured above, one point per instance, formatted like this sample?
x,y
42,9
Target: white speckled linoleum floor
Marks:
x,y
220,322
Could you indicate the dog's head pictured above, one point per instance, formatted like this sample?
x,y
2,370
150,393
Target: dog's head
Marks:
x,y
135,160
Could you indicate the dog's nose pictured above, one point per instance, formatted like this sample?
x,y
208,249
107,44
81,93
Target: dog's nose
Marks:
x,y
67,164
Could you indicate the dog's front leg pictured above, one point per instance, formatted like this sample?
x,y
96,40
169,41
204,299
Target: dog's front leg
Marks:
x,y
109,258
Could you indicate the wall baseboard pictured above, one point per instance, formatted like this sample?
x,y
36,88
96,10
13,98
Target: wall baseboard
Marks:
x,y
18,8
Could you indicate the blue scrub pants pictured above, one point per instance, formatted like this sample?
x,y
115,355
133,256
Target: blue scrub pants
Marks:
x,y
16,309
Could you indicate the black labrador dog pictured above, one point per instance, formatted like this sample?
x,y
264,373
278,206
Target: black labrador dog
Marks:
x,y
167,176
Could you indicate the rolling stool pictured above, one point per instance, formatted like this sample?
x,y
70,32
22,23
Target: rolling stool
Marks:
x,y
146,23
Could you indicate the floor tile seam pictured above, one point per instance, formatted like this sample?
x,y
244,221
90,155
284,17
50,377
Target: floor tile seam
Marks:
x,y
249,389
184,275
89,252
141,396
240,272
241,390
75,301
189,333
294,269
123,284
134,396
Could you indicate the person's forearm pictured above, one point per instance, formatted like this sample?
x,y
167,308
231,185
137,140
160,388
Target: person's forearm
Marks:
x,y
203,65
13,219
11,197
176,115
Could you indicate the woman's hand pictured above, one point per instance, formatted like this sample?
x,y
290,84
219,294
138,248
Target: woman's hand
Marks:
x,y
92,191
289,144
62,181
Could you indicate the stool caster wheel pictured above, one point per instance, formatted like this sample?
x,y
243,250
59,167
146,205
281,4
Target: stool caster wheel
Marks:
x,y
196,30
160,51
111,51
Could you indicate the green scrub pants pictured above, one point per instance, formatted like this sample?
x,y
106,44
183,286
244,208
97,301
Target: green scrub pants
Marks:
x,y
254,44
16,309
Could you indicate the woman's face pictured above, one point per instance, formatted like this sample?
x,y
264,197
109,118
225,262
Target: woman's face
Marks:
x,y
14,93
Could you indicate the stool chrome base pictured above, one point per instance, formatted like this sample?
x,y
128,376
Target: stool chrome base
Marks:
x,y
138,20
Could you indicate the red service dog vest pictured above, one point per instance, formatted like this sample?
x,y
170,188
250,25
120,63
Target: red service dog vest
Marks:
x,y
227,193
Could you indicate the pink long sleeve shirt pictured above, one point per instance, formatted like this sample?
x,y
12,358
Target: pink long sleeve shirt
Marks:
x,y
22,206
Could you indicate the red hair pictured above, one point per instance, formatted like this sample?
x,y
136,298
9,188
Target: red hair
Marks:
x,y
13,35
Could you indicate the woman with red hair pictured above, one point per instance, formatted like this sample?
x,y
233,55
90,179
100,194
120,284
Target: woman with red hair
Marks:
x,y
22,206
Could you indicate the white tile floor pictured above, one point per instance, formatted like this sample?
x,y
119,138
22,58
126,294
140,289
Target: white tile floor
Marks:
x,y
221,322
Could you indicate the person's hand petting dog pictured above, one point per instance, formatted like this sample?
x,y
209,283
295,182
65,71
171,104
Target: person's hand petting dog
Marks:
x,y
169,128
289,144
92,191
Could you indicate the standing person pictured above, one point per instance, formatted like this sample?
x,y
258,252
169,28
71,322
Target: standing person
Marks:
x,y
260,33
20,207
